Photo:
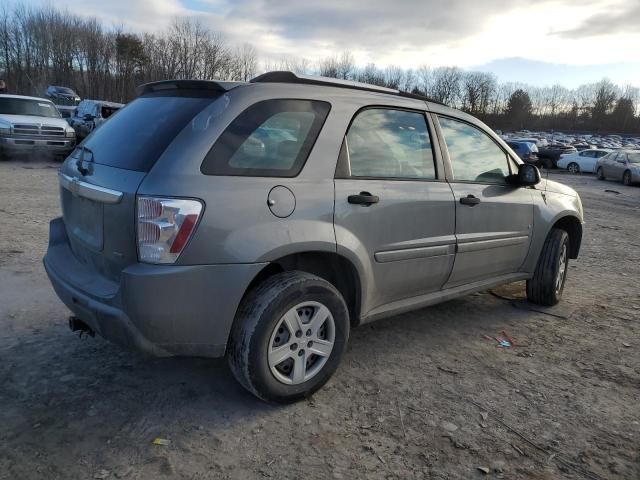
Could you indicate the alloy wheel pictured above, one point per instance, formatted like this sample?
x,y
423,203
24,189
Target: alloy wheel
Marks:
x,y
301,343
562,269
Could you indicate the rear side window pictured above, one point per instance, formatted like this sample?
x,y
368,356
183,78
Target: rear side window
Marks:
x,y
385,143
272,138
136,136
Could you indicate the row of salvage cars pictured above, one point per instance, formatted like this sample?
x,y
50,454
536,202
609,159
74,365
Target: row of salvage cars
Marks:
x,y
610,157
621,165
48,127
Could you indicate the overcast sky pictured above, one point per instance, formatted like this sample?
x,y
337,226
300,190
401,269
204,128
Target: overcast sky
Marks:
x,y
540,42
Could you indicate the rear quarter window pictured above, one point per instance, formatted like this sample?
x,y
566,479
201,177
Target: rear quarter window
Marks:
x,y
272,138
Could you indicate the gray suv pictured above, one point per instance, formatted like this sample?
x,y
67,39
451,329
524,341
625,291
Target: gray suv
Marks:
x,y
264,220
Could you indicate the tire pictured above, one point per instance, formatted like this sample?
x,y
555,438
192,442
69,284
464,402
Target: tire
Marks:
x,y
547,284
573,168
262,326
600,173
548,163
626,178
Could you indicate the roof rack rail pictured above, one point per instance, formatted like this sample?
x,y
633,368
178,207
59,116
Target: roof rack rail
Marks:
x,y
290,77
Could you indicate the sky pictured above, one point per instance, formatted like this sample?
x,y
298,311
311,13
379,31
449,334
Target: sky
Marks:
x,y
545,42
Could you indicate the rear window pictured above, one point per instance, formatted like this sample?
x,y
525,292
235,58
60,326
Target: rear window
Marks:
x,y
271,138
136,135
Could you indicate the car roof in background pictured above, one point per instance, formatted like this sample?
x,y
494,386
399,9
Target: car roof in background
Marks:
x,y
59,87
25,97
105,103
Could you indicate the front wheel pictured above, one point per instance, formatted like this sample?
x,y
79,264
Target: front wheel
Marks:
x,y
573,168
547,284
288,337
626,178
600,173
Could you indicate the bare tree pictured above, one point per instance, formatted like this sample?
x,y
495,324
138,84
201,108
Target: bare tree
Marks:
x,y
446,84
346,65
328,67
393,76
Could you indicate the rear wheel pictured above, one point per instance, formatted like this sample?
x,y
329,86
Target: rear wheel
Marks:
x,y
548,163
547,284
600,173
573,167
626,178
288,337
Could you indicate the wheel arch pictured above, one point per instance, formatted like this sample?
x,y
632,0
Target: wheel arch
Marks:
x,y
330,266
573,226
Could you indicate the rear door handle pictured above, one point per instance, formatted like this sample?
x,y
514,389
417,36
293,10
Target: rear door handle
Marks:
x,y
363,198
470,200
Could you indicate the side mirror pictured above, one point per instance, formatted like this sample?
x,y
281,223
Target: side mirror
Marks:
x,y
528,175
88,117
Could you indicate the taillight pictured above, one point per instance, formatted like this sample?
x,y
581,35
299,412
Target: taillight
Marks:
x,y
164,227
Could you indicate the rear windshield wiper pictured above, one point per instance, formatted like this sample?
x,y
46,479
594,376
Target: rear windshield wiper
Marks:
x,y
83,171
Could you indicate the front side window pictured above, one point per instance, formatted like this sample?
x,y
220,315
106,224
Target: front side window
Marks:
x,y
385,143
588,154
474,156
272,138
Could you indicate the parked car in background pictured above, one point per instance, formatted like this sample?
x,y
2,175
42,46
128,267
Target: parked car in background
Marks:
x,y
264,220
33,125
90,114
550,154
62,96
583,161
66,111
623,165
527,151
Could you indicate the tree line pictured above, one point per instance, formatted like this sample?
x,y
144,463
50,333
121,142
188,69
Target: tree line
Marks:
x,y
41,46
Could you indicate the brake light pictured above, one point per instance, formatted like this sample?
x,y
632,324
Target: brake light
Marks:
x,y
164,227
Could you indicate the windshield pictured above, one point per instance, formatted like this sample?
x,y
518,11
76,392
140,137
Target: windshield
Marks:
x,y
34,108
634,157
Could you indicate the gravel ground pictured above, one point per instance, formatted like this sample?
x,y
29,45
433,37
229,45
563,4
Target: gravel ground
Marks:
x,y
423,395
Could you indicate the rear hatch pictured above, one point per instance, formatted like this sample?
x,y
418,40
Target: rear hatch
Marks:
x,y
100,178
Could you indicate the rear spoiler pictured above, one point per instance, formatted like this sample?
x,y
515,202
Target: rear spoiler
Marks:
x,y
210,85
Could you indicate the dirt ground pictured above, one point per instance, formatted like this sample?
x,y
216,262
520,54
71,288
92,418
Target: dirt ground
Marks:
x,y
420,396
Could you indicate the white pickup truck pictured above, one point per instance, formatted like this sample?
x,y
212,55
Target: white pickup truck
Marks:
x,y
31,125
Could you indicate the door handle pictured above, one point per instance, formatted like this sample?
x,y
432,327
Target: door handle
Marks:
x,y
363,198
470,200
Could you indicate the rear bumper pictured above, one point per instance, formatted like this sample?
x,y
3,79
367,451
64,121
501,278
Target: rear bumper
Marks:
x,y
57,145
161,310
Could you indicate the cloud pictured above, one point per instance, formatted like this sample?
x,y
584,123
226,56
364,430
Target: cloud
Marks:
x,y
619,18
401,32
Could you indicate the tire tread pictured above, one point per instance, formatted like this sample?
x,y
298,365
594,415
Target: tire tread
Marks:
x,y
249,315
541,287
